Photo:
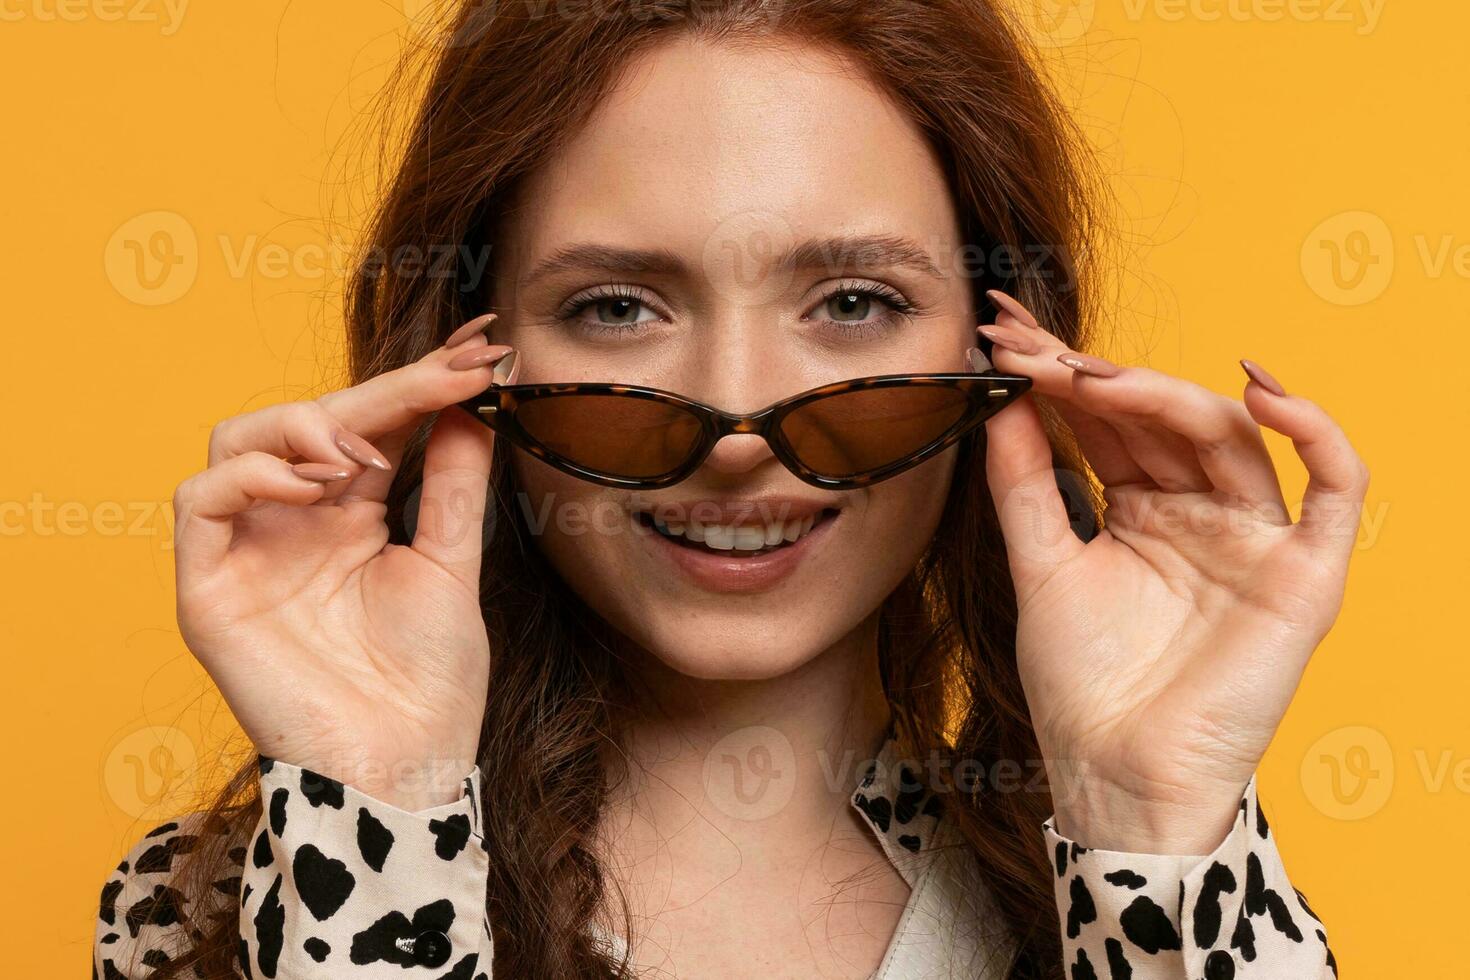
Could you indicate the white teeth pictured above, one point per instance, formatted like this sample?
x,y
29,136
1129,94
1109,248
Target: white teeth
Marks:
x,y
742,537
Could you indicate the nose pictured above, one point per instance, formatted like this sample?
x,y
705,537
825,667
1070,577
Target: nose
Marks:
x,y
738,455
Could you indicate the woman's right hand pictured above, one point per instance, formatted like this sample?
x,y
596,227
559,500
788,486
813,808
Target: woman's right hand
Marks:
x,y
337,651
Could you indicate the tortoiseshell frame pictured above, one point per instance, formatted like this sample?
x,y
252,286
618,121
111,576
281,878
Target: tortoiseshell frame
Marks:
x,y
988,392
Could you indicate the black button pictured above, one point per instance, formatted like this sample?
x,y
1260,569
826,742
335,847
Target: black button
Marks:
x,y
1219,965
431,948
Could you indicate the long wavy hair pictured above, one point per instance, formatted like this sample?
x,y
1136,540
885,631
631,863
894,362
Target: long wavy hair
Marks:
x,y
508,83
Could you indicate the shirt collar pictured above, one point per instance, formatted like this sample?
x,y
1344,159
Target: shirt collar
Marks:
x,y
901,810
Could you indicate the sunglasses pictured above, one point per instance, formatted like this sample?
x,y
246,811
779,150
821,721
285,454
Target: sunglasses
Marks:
x,y
839,436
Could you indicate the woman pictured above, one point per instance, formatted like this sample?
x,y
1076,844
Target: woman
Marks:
x,y
679,699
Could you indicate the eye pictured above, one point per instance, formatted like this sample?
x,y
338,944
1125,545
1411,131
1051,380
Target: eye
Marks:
x,y
861,307
612,309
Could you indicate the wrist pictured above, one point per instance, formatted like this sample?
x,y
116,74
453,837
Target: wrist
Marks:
x,y
1101,815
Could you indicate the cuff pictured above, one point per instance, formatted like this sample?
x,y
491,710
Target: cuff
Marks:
x,y
1231,913
340,884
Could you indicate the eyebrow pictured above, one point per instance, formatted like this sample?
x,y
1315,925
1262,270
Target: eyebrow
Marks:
x,y
833,253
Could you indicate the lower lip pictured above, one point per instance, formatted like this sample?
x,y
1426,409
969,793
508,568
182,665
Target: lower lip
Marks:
x,y
722,572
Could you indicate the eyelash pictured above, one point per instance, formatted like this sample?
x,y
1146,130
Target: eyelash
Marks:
x,y
897,305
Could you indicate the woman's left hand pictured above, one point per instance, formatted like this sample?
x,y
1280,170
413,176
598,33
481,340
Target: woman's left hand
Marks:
x,y
1159,657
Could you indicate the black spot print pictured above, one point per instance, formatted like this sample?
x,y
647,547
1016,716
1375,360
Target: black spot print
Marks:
x,y
909,842
1061,859
1082,969
160,831
1208,916
1305,907
933,806
160,857
243,954
156,958
110,972
261,855
375,943
324,883
245,894
1331,960
1219,965
1124,878
450,835
878,810
1118,966
266,765
463,968
165,907
237,855
108,909
1244,937
321,790
1082,910
1077,851
1148,927
317,949
910,795
1262,828
270,921
1260,900
109,939
279,800
374,841
227,886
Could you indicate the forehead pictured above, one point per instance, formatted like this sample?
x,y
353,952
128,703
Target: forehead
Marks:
x,y
704,141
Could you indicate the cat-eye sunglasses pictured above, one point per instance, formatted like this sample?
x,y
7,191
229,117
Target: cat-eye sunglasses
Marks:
x,y
839,436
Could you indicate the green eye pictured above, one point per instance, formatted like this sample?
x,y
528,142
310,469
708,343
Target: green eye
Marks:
x,y
849,307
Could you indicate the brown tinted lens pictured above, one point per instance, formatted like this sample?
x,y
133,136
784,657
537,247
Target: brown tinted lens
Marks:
x,y
866,429
615,435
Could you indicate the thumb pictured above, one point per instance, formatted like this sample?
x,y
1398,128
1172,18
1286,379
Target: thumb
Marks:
x,y
452,515
1023,484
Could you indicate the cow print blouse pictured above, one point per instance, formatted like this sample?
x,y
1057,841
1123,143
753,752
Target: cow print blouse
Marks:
x,y
335,884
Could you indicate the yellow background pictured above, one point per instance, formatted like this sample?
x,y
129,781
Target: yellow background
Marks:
x,y
1249,142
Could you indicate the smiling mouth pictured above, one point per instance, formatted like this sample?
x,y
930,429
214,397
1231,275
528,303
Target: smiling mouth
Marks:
x,y
740,541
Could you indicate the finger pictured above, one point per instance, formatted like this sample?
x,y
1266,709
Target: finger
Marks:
x,y
301,430
451,516
1186,436
1032,513
500,364
1033,353
399,399
207,503
1337,478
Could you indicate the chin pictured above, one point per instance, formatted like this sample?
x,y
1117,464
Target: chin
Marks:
x,y
731,652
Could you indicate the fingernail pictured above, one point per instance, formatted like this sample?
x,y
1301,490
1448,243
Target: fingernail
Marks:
x,y
508,370
320,472
977,360
1010,339
359,450
1012,306
478,357
1087,364
471,329
1262,377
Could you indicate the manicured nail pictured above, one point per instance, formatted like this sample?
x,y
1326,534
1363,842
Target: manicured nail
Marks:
x,y
320,472
471,329
1087,364
1262,377
359,450
1012,306
1010,339
977,360
479,357
508,370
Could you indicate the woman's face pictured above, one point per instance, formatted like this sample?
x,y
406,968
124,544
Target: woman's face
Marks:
x,y
736,224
